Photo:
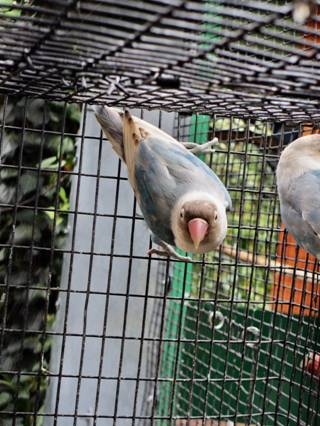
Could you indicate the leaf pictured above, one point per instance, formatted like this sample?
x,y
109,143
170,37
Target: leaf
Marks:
x,y
3,254
49,163
9,145
74,113
40,419
53,144
10,11
25,233
261,128
56,118
65,205
4,399
23,394
7,384
221,124
28,183
50,213
8,173
7,194
48,342
63,195
42,221
68,146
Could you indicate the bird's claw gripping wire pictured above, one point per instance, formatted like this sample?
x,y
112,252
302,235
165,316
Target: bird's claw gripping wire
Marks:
x,y
204,148
168,251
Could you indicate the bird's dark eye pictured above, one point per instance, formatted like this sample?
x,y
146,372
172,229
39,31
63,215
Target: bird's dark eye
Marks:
x,y
182,213
216,216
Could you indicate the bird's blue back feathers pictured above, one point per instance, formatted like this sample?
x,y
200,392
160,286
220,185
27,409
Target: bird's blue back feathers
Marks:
x,y
300,210
164,172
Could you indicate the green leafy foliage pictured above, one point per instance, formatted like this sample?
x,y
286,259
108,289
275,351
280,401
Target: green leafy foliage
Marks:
x,y
34,195
248,170
8,9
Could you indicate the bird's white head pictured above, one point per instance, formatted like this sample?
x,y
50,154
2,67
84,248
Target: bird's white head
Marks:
x,y
300,156
199,222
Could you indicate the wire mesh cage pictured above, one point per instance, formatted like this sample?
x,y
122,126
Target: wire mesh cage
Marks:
x,y
95,331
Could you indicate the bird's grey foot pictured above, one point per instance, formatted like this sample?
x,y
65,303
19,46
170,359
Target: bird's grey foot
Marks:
x,y
204,148
169,251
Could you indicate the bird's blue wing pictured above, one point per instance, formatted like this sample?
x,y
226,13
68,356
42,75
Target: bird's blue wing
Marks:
x,y
301,210
306,193
164,171
156,192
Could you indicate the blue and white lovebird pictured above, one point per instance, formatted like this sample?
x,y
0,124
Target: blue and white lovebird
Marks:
x,y
298,182
182,200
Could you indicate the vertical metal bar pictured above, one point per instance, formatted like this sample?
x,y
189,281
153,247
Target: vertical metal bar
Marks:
x,y
43,337
73,239
113,233
143,329
6,287
87,298
233,290
160,348
10,263
141,339
123,338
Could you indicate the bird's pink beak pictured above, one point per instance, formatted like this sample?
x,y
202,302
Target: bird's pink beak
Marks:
x,y
197,229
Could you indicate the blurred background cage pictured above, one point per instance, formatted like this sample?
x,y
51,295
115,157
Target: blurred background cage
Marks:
x,y
93,330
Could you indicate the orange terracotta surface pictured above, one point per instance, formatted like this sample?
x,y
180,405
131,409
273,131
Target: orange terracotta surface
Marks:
x,y
291,294
314,38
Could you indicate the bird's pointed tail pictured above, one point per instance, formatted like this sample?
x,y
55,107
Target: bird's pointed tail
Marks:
x,y
111,122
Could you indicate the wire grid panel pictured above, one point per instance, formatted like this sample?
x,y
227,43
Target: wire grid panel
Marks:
x,y
77,288
239,325
105,310
220,339
232,56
